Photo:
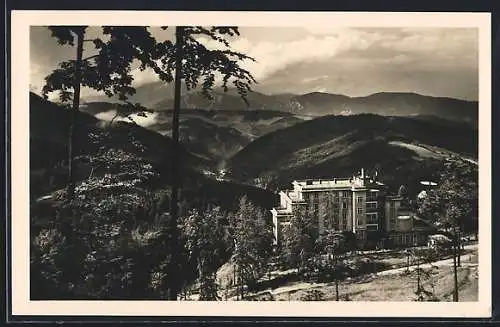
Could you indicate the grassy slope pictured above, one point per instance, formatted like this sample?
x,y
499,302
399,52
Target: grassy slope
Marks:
x,y
400,288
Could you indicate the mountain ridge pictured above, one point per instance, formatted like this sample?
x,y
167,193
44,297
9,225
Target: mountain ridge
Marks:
x,y
315,104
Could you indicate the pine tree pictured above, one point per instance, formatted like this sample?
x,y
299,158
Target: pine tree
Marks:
x,y
252,243
204,239
299,238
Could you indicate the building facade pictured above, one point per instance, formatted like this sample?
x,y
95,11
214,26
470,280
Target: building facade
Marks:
x,y
359,204
402,225
341,204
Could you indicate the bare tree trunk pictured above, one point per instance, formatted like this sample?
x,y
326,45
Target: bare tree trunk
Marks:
x,y
336,279
80,33
173,283
113,119
242,285
459,248
418,276
235,282
455,277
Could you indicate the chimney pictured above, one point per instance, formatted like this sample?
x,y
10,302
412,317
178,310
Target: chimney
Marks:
x,y
362,173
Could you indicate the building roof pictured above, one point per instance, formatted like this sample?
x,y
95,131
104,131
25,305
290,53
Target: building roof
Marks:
x,y
336,183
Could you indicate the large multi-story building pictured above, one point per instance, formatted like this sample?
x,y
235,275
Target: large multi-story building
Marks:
x,y
359,204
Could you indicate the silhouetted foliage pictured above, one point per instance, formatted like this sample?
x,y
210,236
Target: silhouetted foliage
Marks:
x,y
108,71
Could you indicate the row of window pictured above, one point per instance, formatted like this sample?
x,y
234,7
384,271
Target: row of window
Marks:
x,y
404,239
339,196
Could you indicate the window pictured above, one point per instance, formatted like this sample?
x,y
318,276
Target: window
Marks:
x,y
372,218
344,205
407,239
345,194
360,222
359,199
371,205
359,210
344,215
371,196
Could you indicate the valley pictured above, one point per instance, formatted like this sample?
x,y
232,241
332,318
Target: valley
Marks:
x,y
276,138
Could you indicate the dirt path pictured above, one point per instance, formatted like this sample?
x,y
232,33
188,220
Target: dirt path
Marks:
x,y
305,286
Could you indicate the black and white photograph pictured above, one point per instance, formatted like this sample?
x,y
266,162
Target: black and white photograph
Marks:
x,y
298,162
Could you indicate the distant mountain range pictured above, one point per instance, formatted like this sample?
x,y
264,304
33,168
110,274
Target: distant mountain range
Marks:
x,y
278,138
158,97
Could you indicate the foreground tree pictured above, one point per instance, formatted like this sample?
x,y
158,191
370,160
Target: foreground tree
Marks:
x,y
334,245
205,243
191,61
299,238
252,237
453,205
107,71
106,243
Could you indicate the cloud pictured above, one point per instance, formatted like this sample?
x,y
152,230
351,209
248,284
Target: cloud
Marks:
x,y
406,55
314,79
441,62
106,115
150,119
273,56
424,47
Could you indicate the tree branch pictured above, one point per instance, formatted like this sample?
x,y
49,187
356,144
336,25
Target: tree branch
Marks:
x,y
90,57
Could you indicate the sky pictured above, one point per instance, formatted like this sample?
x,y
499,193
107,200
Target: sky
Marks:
x,y
349,61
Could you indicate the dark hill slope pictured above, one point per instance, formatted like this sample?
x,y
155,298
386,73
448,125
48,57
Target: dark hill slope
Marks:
x,y
339,145
214,135
49,125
